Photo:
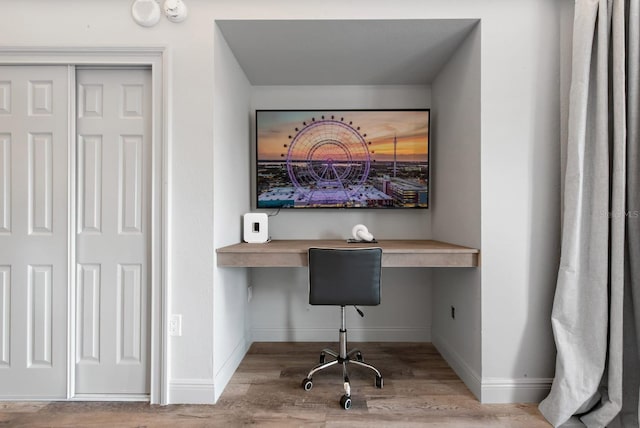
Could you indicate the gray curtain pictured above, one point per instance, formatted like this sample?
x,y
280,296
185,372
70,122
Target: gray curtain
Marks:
x,y
596,309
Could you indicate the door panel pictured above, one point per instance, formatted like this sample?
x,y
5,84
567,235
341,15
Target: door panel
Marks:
x,y
33,231
113,231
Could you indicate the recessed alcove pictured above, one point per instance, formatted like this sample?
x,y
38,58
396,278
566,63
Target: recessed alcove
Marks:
x,y
355,64
344,52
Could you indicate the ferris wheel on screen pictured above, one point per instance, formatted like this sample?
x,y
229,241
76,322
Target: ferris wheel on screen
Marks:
x,y
328,161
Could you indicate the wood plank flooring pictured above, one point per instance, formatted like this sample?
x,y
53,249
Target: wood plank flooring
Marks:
x,y
420,390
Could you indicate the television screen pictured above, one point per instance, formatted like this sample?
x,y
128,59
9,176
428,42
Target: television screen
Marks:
x,y
342,158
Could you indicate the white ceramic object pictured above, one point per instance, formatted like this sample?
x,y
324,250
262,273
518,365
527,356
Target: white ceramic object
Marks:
x,y
361,233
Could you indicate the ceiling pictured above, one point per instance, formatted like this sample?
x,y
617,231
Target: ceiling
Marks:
x,y
344,52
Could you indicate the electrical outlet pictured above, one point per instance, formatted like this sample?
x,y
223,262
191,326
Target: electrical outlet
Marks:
x,y
249,293
175,325
453,312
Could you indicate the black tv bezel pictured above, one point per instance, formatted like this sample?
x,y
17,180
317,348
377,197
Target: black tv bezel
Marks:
x,y
376,208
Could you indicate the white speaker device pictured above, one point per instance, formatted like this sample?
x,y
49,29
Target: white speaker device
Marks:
x,y
256,228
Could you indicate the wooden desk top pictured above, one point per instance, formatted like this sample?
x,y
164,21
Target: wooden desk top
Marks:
x,y
395,253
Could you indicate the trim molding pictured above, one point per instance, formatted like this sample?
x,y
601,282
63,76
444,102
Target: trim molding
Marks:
x,y
191,391
466,373
494,390
207,391
515,390
355,334
157,57
223,376
78,55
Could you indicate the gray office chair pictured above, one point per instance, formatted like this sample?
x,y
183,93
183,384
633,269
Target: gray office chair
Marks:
x,y
344,277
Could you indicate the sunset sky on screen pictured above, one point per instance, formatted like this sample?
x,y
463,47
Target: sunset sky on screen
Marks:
x,y
409,127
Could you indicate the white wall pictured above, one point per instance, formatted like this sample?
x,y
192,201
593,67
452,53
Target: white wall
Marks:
x,y
520,199
456,211
231,179
337,224
189,71
519,161
280,310
404,314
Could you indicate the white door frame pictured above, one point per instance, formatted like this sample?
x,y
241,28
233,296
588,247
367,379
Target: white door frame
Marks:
x,y
156,58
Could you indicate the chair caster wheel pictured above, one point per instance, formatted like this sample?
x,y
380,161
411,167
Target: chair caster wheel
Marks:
x,y
307,384
322,358
379,381
359,357
345,402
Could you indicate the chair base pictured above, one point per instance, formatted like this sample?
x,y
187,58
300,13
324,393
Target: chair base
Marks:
x,y
342,357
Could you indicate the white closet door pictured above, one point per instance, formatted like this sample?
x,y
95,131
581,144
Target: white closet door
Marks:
x,y
113,231
33,231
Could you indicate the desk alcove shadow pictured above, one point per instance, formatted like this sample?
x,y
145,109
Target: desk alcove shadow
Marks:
x,y
290,300
279,298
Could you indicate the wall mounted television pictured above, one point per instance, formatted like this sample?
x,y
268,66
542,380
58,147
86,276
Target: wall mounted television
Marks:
x,y
342,159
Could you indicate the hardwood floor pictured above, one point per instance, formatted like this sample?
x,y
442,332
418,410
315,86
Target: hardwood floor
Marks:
x,y
419,390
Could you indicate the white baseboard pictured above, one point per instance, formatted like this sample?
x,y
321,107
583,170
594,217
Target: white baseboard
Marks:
x,y
494,390
229,367
191,391
354,335
466,373
207,391
515,390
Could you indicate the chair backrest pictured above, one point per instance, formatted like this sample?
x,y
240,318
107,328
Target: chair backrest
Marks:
x,y
345,276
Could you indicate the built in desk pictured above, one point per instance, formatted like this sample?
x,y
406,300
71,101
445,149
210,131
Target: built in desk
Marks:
x,y
395,253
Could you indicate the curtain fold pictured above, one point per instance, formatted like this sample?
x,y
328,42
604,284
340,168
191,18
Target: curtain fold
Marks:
x,y
594,310
630,408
